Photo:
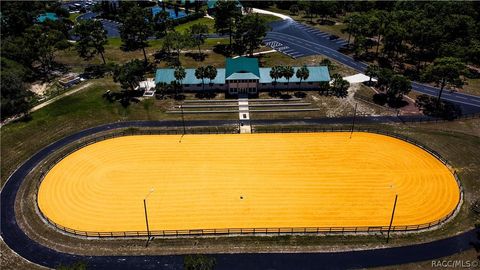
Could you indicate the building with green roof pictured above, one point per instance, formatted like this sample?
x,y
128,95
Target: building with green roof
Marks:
x,y
243,75
211,4
47,16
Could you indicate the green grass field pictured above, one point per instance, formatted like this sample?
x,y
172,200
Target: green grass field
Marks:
x,y
205,21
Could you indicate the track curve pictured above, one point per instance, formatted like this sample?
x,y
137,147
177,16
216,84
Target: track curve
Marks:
x,y
19,242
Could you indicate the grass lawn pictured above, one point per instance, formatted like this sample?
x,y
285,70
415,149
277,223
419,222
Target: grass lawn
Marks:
x,y
205,21
113,53
269,18
73,16
472,86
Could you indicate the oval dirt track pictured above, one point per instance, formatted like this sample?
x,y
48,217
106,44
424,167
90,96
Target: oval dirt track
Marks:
x,y
247,181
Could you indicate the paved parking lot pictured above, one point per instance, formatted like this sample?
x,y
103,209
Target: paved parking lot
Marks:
x,y
303,35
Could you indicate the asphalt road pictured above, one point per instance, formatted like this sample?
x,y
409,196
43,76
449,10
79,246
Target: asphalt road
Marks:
x,y
298,40
18,241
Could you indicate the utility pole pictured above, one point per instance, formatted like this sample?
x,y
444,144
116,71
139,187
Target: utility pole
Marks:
x,y
391,219
353,121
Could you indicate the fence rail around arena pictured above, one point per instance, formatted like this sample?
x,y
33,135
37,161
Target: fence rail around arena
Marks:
x,y
247,231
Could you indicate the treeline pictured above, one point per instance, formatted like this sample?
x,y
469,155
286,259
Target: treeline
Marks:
x,y
416,33
27,49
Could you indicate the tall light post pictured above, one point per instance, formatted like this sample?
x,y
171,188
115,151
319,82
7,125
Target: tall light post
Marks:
x,y
183,119
391,218
146,215
353,121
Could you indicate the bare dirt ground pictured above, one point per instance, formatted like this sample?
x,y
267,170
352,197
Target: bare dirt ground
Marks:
x,y
39,88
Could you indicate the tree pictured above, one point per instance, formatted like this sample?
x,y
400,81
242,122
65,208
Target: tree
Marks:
x,y
179,75
198,33
136,28
44,43
308,7
92,39
302,73
294,9
130,74
339,85
249,34
445,109
162,23
445,71
210,72
372,71
399,86
288,72
200,73
325,9
176,41
227,16
176,9
275,74
384,78
15,97
187,7
394,38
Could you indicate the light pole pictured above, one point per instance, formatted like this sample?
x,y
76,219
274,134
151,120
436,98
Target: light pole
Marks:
x,y
183,119
391,219
146,215
353,122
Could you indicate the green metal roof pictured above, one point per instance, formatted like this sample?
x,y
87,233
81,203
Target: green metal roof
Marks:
x,y
243,76
166,75
242,65
47,16
212,3
316,74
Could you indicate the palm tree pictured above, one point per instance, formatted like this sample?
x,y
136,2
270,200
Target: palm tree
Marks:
x,y
275,73
302,73
339,85
288,72
179,74
210,72
200,74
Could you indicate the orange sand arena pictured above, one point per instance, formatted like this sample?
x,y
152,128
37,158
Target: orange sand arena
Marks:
x,y
247,181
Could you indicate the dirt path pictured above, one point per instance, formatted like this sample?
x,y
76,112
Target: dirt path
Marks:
x,y
48,102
